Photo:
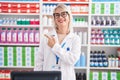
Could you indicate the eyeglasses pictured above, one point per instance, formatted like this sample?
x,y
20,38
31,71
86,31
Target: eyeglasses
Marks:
x,y
63,14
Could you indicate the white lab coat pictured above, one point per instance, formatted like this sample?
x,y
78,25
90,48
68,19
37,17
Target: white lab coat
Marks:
x,y
46,57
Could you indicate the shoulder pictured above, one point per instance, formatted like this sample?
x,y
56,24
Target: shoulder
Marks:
x,y
74,37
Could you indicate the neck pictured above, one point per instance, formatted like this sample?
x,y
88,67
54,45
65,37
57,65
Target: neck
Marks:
x,y
62,31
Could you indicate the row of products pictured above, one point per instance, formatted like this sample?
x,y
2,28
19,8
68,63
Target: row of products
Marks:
x,y
19,0
67,0
105,0
75,8
5,74
83,37
19,21
113,61
19,35
105,8
105,21
80,21
82,60
19,7
18,56
105,36
80,76
98,59
104,75
77,21
47,20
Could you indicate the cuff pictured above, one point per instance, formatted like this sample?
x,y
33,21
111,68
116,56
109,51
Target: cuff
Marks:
x,y
56,48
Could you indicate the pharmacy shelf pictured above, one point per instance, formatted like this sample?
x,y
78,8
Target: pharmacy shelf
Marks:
x,y
105,26
31,14
105,14
65,2
18,44
74,14
21,1
80,14
105,45
26,67
107,2
80,26
19,26
80,68
101,68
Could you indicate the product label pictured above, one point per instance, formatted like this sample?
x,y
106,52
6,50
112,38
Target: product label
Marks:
x,y
9,36
37,37
31,37
3,36
20,37
14,37
26,37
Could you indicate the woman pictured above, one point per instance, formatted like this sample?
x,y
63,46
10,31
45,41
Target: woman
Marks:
x,y
61,50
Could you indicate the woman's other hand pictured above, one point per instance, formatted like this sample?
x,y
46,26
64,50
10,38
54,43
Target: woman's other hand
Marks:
x,y
51,40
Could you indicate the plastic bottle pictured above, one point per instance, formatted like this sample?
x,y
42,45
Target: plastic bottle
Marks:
x,y
31,36
25,35
82,60
9,35
37,35
118,22
20,35
14,35
80,76
45,20
113,21
93,21
102,21
108,21
84,76
3,35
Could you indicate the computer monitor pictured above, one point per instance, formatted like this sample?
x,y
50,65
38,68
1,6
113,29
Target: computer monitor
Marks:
x,y
36,75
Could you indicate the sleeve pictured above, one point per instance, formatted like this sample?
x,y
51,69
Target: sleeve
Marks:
x,y
69,57
39,57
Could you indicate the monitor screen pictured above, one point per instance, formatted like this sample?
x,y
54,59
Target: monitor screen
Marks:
x,y
36,75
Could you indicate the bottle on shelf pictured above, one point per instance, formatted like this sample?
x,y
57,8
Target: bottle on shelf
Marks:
x,y
82,60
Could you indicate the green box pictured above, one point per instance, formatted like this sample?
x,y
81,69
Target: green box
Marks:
x,y
111,5
102,6
102,11
32,56
91,75
14,56
100,75
23,57
93,6
5,56
93,11
109,75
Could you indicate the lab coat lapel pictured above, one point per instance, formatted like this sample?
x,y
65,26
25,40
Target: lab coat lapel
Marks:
x,y
69,36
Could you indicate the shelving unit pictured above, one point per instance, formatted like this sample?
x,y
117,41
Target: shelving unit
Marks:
x,y
27,21
82,27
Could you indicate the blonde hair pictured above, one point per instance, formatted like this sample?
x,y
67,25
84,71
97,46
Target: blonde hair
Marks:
x,y
64,7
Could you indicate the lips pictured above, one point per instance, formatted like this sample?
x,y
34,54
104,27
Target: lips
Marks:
x,y
61,21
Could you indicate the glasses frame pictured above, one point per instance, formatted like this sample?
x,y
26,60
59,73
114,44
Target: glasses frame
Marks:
x,y
62,14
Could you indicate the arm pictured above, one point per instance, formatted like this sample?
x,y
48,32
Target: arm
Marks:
x,y
69,57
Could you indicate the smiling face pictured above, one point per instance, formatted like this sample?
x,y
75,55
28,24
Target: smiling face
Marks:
x,y
62,19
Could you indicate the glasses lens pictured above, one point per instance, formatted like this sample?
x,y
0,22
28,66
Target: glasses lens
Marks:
x,y
56,15
63,14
